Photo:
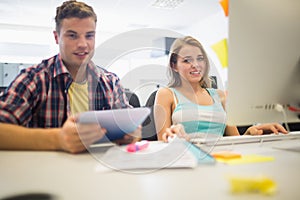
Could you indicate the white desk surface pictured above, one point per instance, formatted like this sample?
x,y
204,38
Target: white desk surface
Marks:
x,y
72,177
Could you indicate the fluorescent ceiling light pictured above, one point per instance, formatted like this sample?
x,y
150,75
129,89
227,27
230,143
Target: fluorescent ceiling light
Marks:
x,y
167,4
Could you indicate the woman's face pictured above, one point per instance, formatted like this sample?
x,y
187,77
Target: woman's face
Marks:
x,y
190,64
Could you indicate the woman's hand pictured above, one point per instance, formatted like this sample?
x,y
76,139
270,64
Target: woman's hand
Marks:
x,y
177,130
266,129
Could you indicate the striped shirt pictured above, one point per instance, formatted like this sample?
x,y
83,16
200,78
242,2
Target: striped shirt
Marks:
x,y
201,119
38,97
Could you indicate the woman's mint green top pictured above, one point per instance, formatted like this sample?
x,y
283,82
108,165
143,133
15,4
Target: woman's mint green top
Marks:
x,y
200,118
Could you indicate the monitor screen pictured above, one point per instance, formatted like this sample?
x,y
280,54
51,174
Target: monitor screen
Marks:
x,y
264,61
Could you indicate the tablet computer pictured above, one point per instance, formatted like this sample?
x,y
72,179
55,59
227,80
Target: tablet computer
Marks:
x,y
117,122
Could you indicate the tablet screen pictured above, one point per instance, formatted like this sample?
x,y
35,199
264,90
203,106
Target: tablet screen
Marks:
x,y
117,122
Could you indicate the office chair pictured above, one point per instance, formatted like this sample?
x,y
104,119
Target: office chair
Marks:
x,y
148,127
214,83
132,98
2,89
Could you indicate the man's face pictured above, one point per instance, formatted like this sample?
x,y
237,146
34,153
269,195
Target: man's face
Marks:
x,y
76,41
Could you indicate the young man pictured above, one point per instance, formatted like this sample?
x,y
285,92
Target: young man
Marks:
x,y
39,108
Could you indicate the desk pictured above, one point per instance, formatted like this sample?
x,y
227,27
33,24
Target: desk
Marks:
x,y
72,177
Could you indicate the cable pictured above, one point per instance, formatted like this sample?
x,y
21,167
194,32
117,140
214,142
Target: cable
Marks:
x,y
294,109
280,108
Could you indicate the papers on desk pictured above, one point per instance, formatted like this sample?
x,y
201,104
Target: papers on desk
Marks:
x,y
177,154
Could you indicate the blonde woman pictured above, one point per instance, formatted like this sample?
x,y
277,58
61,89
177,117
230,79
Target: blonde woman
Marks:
x,y
189,105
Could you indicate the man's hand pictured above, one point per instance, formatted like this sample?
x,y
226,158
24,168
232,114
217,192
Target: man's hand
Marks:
x,y
75,137
131,137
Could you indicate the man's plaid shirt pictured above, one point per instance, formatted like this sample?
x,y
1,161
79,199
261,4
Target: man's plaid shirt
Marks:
x,y
38,97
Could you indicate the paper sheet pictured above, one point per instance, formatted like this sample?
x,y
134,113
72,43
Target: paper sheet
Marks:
x,y
158,155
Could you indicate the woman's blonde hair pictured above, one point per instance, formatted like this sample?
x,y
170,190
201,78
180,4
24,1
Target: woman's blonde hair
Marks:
x,y
174,77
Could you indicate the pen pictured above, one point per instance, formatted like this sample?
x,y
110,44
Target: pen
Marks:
x,y
138,146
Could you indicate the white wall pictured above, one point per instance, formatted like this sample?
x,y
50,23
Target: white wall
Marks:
x,y
137,68
210,31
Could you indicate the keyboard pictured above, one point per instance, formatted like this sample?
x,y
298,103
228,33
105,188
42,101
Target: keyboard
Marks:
x,y
227,140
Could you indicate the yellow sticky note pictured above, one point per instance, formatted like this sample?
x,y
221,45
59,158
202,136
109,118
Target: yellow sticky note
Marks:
x,y
221,50
226,155
246,159
259,184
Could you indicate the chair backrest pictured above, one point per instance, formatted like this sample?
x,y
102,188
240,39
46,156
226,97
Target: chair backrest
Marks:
x,y
2,89
214,83
133,99
148,127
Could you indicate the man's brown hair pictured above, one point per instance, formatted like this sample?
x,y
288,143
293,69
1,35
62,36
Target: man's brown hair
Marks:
x,y
73,8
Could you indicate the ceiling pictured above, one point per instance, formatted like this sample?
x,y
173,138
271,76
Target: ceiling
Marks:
x,y
113,15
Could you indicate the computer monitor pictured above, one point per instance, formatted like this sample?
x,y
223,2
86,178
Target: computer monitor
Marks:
x,y
264,61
